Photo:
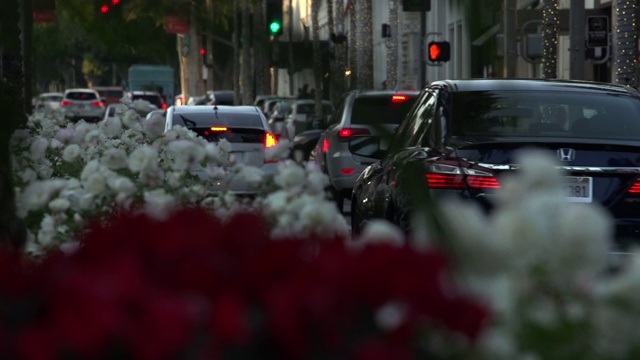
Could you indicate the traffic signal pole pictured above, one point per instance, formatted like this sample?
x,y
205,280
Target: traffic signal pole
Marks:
x,y
577,48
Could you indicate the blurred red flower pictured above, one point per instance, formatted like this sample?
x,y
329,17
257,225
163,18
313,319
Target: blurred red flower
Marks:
x,y
191,286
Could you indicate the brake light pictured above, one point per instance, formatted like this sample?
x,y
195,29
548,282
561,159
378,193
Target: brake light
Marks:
x,y
399,98
97,103
325,145
65,103
164,106
455,181
219,128
635,188
347,171
346,133
270,140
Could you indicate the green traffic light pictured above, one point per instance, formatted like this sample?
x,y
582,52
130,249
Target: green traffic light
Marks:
x,y
274,27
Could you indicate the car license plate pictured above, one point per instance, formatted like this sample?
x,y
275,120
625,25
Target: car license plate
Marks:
x,y
579,188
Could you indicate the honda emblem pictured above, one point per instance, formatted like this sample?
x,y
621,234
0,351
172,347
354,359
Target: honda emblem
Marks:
x,y
566,154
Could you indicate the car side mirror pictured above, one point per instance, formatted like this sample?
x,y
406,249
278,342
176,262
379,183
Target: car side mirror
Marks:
x,y
367,146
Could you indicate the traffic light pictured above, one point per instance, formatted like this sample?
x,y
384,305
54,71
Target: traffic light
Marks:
x,y
439,51
107,7
274,17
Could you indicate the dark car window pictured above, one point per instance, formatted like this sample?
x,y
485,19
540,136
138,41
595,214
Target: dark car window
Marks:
x,y
549,113
235,127
381,109
81,96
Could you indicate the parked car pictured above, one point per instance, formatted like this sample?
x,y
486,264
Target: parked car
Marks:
x,y
152,97
260,99
244,127
110,94
300,114
48,101
360,113
461,137
82,104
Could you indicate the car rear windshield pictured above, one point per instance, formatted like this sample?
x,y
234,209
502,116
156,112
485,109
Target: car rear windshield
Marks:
x,y
154,99
235,127
81,96
381,109
545,113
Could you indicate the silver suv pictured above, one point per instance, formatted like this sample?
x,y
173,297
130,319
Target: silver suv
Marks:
x,y
359,113
82,104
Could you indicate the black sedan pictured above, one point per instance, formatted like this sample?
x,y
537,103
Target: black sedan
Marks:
x,y
462,135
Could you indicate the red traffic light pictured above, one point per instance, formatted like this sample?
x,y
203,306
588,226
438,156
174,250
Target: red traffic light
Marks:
x,y
115,2
104,9
203,51
439,51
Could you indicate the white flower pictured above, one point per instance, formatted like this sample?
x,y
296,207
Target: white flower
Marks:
x,y
131,119
66,135
59,205
277,201
71,153
39,148
185,154
280,151
380,231
142,158
115,159
90,168
174,178
290,176
112,127
28,175
154,126
252,175
56,144
224,145
121,184
158,203
94,135
37,194
95,184
317,182
390,316
47,232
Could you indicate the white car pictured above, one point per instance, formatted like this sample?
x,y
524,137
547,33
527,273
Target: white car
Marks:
x,y
300,114
143,109
244,127
84,104
48,101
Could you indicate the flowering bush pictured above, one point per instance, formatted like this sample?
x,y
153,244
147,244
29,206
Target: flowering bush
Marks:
x,y
70,173
208,281
192,287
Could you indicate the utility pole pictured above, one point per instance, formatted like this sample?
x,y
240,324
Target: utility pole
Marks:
x,y
510,18
577,47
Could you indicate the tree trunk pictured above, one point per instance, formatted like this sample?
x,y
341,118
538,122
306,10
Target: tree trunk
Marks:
x,y
317,57
246,65
13,106
260,53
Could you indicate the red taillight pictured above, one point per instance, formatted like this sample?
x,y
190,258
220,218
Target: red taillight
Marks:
x,y
455,181
325,145
346,133
399,98
97,103
347,171
65,103
164,106
635,188
270,140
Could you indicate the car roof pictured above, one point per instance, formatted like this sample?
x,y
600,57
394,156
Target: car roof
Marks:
x,y
80,90
383,92
531,84
51,94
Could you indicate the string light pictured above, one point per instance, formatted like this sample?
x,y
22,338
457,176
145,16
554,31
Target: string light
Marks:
x,y
550,11
353,44
340,49
626,43
364,46
392,47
